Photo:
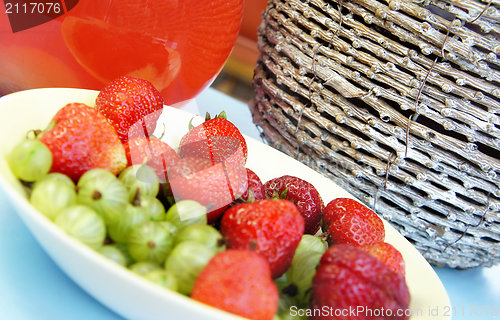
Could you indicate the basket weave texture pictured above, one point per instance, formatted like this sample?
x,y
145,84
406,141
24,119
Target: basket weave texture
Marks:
x,y
398,102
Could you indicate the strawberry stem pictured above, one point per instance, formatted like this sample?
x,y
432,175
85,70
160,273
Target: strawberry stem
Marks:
x,y
275,195
222,115
251,196
190,125
284,194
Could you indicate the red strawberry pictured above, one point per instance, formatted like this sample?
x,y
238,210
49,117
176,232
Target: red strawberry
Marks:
x,y
348,221
303,194
272,228
349,278
255,190
214,186
216,139
80,139
132,106
238,281
156,153
387,253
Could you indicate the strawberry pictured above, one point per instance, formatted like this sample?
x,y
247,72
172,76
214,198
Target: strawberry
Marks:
x,y
348,221
238,281
214,186
352,281
303,194
272,228
154,152
131,105
216,139
387,253
80,139
255,190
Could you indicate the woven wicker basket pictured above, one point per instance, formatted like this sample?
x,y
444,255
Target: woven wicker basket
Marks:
x,y
399,103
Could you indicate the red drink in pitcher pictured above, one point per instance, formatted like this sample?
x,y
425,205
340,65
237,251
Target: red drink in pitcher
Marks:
x,y
178,45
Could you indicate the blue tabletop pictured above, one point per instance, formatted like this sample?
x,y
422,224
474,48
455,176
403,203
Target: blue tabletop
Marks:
x,y
33,287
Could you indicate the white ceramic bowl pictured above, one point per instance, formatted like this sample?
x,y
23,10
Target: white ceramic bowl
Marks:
x,y
121,290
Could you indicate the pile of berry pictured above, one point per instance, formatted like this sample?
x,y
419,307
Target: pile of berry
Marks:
x,y
197,221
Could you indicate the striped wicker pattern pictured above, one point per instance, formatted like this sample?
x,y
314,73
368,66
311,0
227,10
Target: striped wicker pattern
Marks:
x,y
399,103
